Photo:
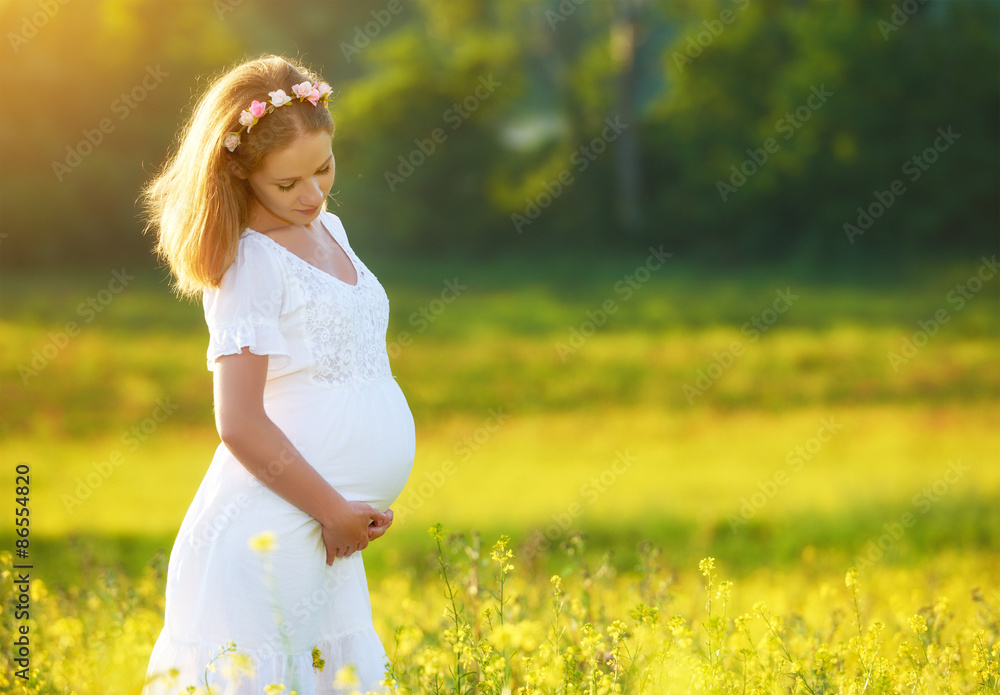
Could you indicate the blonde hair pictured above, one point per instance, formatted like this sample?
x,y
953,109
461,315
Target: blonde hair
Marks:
x,y
196,204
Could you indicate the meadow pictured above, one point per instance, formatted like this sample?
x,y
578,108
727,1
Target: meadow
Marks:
x,y
652,476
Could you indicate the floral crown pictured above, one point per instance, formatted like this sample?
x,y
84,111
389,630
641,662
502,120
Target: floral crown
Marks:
x,y
307,91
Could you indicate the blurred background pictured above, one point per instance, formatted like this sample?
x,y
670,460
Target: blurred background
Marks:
x,y
693,91
719,275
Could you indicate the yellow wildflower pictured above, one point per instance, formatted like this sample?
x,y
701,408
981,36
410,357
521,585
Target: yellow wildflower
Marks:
x,y
318,661
238,665
707,565
347,677
264,542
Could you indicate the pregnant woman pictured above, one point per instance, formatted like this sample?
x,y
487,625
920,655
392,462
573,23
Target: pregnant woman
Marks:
x,y
317,437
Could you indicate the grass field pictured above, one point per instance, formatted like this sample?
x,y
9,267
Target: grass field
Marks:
x,y
787,424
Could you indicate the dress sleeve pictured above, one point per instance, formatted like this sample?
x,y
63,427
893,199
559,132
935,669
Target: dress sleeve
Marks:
x,y
243,311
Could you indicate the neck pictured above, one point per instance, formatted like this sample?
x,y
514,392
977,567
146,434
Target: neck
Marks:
x,y
273,214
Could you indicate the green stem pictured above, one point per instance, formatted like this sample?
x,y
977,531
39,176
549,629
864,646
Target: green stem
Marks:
x,y
450,595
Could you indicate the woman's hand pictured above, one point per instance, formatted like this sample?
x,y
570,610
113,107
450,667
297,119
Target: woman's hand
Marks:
x,y
378,528
346,530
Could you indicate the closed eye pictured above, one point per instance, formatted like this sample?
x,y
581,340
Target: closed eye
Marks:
x,y
324,170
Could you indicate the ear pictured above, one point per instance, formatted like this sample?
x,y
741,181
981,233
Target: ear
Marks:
x,y
237,171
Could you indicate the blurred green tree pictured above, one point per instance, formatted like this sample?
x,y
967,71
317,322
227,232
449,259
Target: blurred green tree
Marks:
x,y
890,92
739,130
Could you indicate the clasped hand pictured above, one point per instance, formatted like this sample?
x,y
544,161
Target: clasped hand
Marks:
x,y
353,528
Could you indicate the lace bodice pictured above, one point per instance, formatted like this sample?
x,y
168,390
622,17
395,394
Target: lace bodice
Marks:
x,y
276,303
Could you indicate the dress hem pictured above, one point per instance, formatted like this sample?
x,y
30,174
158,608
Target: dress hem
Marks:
x,y
354,661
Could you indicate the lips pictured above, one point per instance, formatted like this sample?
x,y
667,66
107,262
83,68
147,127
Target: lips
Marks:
x,y
310,211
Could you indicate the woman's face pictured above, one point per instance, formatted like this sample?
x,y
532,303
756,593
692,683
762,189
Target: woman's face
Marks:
x,y
294,182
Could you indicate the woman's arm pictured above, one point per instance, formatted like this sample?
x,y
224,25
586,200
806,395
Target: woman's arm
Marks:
x,y
266,452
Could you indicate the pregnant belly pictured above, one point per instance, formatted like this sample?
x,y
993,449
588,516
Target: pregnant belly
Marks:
x,y
362,440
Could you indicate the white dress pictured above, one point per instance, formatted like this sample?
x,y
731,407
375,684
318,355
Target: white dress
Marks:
x,y
330,389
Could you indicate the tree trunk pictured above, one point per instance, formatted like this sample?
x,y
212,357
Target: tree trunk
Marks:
x,y
628,171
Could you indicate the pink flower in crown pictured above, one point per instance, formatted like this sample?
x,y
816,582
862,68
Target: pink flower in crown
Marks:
x,y
324,90
257,108
232,141
250,116
302,91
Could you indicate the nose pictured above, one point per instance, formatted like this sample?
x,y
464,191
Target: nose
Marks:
x,y
312,194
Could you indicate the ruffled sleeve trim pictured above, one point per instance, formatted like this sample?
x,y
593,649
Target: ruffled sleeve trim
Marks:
x,y
262,339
